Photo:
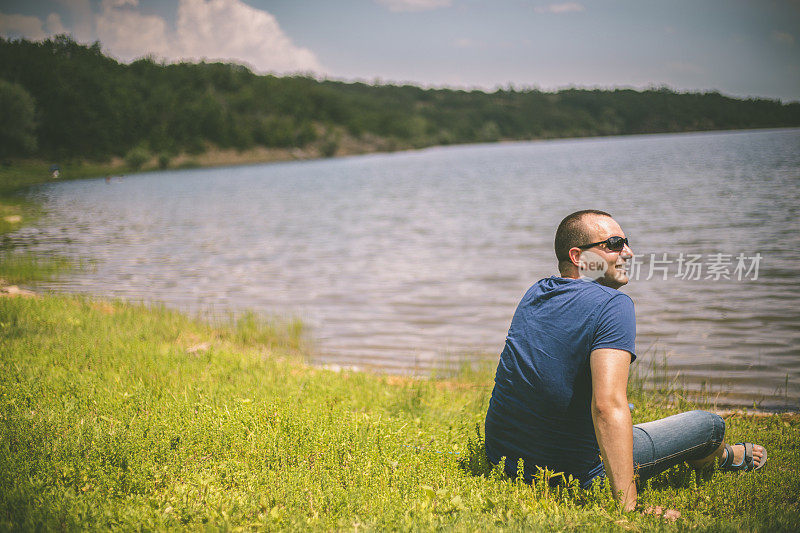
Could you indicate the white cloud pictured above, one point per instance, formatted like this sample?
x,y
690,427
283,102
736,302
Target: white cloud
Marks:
x,y
21,26
128,34
414,5
783,37
558,9
230,29
214,30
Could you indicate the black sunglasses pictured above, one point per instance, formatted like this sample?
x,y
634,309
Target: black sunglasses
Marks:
x,y
615,244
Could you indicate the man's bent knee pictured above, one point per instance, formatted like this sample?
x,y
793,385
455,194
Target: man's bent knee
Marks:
x,y
714,428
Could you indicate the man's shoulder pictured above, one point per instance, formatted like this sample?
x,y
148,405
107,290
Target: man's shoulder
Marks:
x,y
584,288
610,300
610,293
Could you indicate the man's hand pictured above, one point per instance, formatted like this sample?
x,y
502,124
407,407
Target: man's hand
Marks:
x,y
612,420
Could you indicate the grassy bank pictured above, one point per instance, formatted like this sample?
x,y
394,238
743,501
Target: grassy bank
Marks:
x,y
17,174
115,415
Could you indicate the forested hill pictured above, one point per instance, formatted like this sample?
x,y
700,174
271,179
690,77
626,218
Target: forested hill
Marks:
x,y
67,100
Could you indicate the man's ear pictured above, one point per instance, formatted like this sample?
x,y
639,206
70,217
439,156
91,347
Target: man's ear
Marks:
x,y
575,256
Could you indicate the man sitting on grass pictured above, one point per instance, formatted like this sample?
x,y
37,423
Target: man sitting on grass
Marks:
x,y
560,395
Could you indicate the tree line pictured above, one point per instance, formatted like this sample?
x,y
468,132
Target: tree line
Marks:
x,y
62,99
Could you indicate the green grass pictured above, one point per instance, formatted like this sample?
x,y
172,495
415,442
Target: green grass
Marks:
x,y
109,419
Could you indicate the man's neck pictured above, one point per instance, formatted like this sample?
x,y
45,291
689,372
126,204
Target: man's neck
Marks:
x,y
569,274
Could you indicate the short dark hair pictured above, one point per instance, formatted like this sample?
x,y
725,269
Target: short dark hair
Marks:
x,y
573,232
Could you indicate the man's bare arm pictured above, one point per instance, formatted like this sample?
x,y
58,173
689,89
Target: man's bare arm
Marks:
x,y
612,420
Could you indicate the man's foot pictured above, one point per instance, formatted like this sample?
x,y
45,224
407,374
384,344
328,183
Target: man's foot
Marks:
x,y
743,456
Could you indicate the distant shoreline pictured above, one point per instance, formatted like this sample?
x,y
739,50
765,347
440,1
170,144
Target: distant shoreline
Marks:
x,y
215,157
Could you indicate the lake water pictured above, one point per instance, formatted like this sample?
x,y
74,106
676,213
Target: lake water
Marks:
x,y
409,260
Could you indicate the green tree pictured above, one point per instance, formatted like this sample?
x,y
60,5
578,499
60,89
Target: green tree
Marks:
x,y
90,106
17,120
137,157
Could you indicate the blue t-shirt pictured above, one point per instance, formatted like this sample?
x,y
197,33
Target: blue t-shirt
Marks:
x,y
540,408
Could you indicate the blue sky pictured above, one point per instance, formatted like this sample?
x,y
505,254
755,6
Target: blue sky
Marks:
x,y
741,48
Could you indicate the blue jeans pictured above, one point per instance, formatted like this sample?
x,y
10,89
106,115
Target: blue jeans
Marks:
x,y
664,443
